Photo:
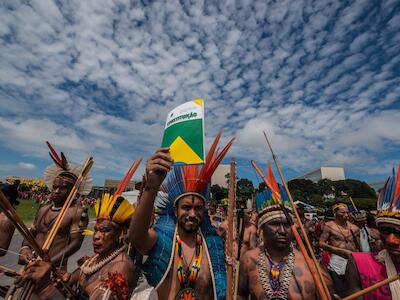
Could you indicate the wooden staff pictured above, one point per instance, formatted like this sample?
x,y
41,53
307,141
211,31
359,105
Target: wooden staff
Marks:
x,y
372,287
12,215
229,248
320,280
54,229
299,241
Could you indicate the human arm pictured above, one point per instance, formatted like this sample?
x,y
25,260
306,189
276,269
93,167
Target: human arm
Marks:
x,y
141,235
7,229
243,286
253,238
117,281
26,251
38,272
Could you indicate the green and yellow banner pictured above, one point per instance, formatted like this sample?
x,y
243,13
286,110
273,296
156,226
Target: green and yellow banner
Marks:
x,y
184,133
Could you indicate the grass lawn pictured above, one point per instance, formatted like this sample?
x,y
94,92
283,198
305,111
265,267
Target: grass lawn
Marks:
x,y
27,211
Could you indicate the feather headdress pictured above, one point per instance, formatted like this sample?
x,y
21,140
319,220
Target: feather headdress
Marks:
x,y
191,179
68,171
388,204
268,201
115,207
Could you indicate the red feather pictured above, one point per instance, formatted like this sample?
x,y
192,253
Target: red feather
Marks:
x,y
190,173
124,182
397,185
212,162
196,179
272,184
54,156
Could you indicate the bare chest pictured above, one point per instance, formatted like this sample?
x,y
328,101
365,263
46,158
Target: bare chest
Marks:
x,y
170,287
301,286
341,235
47,219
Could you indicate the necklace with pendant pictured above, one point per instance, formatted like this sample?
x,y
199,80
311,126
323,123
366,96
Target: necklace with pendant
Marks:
x,y
187,277
276,283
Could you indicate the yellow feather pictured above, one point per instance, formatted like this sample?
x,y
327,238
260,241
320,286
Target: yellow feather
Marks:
x,y
87,232
111,203
124,211
96,207
104,205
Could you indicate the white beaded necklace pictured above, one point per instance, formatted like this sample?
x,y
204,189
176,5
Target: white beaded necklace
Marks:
x,y
90,266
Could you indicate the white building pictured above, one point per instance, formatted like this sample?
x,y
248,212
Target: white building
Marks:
x,y
331,173
219,175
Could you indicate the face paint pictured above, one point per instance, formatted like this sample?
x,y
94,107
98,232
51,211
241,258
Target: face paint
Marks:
x,y
60,192
105,237
390,235
278,232
189,212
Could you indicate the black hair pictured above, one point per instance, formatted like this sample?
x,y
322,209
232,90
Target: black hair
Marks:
x,y
11,192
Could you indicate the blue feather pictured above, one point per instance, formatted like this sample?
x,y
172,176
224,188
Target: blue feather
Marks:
x,y
387,197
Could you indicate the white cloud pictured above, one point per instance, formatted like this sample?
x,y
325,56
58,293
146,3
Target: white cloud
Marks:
x,y
26,166
98,77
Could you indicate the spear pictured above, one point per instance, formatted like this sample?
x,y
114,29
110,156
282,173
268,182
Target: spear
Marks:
x,y
372,287
310,249
229,249
299,241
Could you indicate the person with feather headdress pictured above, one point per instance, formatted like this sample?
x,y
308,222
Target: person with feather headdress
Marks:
x,y
60,178
110,273
276,269
366,268
186,257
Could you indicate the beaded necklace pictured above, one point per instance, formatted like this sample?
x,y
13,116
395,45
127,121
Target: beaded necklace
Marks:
x,y
91,266
276,285
187,277
275,273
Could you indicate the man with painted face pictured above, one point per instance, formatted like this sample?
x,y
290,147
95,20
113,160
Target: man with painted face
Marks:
x,y
110,273
341,238
366,268
186,256
59,178
7,228
275,269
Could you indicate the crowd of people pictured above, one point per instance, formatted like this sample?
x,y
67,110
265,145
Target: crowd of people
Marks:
x,y
173,245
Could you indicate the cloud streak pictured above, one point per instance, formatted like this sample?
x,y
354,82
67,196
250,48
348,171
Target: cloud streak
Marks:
x,y
98,77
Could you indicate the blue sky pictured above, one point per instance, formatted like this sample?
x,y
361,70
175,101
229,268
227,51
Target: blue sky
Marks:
x,y
98,78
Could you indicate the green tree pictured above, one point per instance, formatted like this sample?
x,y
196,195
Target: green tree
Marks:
x,y
218,193
305,188
325,186
354,188
244,189
261,187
